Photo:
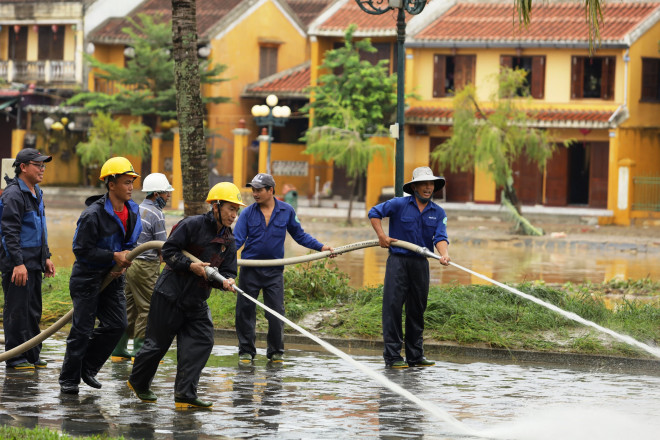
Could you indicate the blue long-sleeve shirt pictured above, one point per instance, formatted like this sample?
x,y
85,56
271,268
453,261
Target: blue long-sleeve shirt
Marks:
x,y
425,228
266,242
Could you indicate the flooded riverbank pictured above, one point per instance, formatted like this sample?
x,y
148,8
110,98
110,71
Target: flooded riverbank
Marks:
x,y
491,252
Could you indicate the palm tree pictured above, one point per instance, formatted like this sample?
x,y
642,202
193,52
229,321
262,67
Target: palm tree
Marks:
x,y
190,110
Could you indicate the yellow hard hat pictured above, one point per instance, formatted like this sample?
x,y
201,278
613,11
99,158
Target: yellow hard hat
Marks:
x,y
116,166
225,191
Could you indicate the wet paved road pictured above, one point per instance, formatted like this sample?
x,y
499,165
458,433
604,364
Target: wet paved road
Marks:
x,y
317,396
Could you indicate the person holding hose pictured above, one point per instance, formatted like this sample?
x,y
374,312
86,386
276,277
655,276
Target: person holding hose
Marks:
x,y
178,306
106,232
262,227
416,219
141,276
24,256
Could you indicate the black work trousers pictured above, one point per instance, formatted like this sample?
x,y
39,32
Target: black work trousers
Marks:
x,y
193,329
270,280
21,315
406,282
88,347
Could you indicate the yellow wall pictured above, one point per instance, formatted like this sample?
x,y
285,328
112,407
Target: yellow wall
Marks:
x,y
642,114
109,54
380,174
239,51
4,43
69,43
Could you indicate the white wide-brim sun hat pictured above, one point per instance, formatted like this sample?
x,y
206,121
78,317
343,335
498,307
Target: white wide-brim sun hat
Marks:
x,y
424,174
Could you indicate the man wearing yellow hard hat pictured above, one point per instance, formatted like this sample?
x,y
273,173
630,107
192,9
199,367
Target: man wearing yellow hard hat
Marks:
x,y
106,231
178,305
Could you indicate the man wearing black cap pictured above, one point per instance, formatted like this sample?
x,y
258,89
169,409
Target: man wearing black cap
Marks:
x,y
262,227
418,220
24,256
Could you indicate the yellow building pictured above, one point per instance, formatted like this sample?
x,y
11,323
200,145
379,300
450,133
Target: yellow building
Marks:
x,y
607,102
597,100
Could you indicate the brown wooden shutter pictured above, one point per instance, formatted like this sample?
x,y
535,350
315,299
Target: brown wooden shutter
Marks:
x,y
598,174
577,77
464,70
18,43
439,75
460,184
506,61
267,61
607,79
538,77
556,181
650,79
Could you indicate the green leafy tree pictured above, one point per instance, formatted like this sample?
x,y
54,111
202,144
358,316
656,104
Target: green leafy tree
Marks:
x,y
352,103
493,136
109,137
145,86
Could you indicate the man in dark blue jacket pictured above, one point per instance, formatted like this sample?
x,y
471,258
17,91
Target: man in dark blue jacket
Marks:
x,y
262,227
107,230
418,220
178,305
24,256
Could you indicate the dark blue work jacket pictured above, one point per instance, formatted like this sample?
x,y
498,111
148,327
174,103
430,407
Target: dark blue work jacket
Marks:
x,y
407,223
199,236
100,233
23,227
266,242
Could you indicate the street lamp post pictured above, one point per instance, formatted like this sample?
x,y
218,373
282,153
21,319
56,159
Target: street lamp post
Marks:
x,y
414,7
270,115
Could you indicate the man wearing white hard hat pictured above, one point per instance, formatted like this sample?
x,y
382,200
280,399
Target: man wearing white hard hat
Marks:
x,y
142,275
416,219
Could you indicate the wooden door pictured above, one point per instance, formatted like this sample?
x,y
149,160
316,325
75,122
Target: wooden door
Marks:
x,y
528,182
556,183
599,159
459,186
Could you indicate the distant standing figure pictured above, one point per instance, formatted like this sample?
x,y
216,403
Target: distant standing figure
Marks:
x,y
106,232
24,256
418,220
262,227
141,276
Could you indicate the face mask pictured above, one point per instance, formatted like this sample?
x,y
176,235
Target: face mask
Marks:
x,y
160,203
422,199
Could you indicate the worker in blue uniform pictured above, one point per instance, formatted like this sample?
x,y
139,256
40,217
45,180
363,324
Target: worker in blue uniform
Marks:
x,y
24,256
415,219
178,305
106,232
262,228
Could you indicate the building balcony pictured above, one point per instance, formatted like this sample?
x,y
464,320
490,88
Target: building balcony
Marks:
x,y
41,72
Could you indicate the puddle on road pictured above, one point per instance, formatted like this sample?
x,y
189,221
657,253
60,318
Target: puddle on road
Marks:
x,y
503,262
315,395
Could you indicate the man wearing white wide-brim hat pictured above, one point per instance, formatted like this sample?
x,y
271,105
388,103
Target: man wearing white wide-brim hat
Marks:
x,y
416,219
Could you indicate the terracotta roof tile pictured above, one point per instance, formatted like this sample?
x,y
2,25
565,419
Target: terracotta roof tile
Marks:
x,y
565,118
308,10
209,12
350,13
549,21
290,83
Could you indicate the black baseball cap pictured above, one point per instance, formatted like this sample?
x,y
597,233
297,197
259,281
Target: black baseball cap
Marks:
x,y
262,180
27,155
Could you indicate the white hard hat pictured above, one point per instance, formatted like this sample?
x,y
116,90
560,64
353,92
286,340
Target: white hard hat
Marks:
x,y
156,182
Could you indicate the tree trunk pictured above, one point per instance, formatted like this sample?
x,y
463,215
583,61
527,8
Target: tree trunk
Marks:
x,y
190,110
349,222
510,194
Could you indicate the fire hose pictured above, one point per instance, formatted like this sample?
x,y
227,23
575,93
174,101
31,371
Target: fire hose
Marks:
x,y
319,255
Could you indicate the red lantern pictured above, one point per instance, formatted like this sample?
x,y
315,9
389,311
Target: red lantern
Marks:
x,y
54,28
17,28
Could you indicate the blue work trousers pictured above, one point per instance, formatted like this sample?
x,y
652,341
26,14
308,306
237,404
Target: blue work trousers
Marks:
x,y
406,282
270,280
21,315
